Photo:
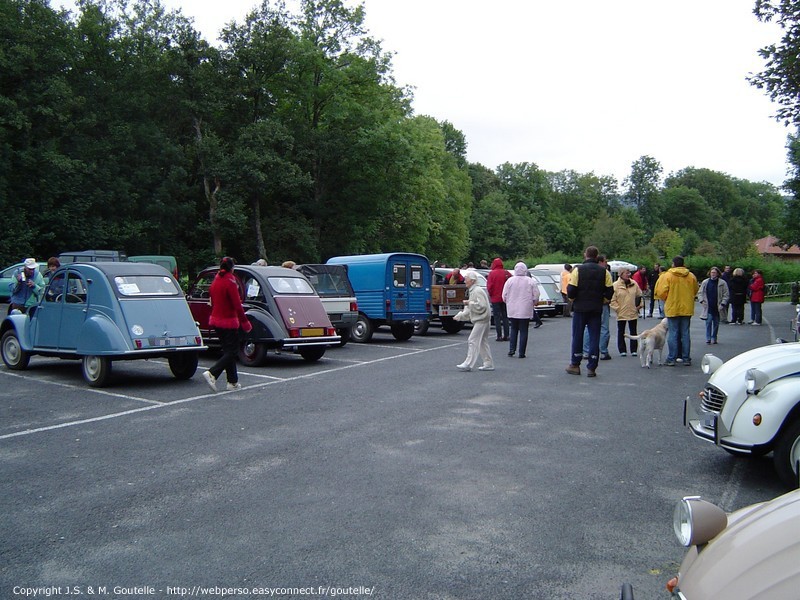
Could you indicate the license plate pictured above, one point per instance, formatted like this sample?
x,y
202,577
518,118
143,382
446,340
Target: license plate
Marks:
x,y
312,332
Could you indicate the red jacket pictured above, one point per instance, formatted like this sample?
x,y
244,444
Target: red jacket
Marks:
x,y
226,305
756,288
496,280
640,279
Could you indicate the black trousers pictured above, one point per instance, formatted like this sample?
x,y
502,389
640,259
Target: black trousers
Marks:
x,y
229,340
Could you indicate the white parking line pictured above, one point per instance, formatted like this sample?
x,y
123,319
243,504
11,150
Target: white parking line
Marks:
x,y
83,388
207,396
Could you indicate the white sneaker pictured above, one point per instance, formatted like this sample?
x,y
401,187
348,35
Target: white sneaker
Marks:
x,y
486,368
210,380
234,386
463,367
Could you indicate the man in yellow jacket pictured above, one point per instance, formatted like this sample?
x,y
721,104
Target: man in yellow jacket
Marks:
x,y
678,288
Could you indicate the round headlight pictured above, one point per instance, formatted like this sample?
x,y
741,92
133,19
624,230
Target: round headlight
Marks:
x,y
755,380
710,363
696,521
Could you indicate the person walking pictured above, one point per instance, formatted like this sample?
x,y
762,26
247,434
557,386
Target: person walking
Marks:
x,y
26,286
589,288
520,293
651,283
227,317
714,297
625,303
678,288
478,342
756,288
494,286
565,274
738,292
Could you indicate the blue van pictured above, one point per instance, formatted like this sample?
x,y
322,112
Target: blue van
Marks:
x,y
392,289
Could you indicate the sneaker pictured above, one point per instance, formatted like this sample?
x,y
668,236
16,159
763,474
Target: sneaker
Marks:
x,y
463,367
539,324
634,354
234,386
687,363
574,369
210,380
511,353
585,357
669,363
521,356
623,354
605,357
591,373
486,368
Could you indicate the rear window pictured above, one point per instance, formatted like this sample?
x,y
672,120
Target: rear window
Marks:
x,y
290,285
331,284
146,285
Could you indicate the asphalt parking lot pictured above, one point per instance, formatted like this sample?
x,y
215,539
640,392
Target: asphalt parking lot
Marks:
x,y
378,471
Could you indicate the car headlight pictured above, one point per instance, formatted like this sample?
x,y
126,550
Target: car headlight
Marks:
x,y
696,521
755,380
710,363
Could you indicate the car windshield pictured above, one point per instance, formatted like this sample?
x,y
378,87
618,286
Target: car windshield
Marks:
x,y
146,285
290,285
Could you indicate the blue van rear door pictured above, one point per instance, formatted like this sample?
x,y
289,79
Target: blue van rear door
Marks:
x,y
409,290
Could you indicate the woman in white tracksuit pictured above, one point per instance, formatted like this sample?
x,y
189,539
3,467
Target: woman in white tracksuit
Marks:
x,y
480,315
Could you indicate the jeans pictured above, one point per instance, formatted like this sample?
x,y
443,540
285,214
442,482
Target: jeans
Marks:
x,y
500,319
712,326
588,322
229,340
621,345
605,334
678,335
519,328
755,312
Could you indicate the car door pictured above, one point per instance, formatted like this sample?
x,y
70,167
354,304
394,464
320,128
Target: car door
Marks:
x,y
199,299
46,321
408,292
74,308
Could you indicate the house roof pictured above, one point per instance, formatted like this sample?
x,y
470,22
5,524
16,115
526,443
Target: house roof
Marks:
x,y
769,245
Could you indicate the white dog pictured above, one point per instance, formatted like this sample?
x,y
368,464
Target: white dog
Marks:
x,y
650,341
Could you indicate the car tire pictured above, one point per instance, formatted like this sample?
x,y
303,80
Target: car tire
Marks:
x,y
312,353
96,370
421,326
450,325
345,335
786,455
252,354
362,331
14,356
183,365
402,331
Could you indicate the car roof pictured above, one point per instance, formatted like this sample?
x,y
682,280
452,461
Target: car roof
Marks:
x,y
111,269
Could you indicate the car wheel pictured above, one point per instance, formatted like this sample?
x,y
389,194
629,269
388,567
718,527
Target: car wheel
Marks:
x,y
96,370
183,365
450,325
252,354
787,454
402,331
345,335
13,355
362,330
312,353
421,326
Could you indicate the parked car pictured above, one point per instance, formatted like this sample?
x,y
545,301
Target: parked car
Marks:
x,y
337,295
170,263
7,277
92,256
285,311
103,312
751,406
551,282
750,554
392,289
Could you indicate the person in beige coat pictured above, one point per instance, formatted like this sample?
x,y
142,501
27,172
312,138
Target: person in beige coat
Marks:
x,y
625,302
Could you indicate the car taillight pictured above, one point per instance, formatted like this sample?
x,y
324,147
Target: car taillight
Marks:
x,y
330,331
198,340
294,332
354,306
138,344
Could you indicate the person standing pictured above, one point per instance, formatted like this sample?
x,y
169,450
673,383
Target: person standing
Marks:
x,y
727,273
494,286
520,293
26,286
565,274
589,288
227,317
738,291
640,279
714,297
625,303
605,331
478,342
678,288
756,288
651,283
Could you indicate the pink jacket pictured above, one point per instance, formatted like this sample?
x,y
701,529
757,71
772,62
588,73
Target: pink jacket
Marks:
x,y
520,293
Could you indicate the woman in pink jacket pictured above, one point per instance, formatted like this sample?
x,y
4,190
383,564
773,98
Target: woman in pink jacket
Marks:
x,y
520,293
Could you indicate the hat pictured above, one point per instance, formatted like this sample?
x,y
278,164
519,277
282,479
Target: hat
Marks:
x,y
30,263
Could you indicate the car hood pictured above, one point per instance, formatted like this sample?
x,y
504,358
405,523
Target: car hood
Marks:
x,y
754,557
777,361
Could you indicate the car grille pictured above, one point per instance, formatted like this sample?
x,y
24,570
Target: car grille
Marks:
x,y
713,399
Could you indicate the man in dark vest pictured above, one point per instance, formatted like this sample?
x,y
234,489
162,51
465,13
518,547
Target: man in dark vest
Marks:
x,y
589,286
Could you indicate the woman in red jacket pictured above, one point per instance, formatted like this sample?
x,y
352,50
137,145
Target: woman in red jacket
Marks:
x,y
756,288
227,315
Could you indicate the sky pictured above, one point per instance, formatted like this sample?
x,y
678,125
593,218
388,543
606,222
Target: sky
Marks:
x,y
584,85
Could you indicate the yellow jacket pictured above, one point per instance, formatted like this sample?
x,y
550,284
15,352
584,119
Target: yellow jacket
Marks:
x,y
678,288
623,302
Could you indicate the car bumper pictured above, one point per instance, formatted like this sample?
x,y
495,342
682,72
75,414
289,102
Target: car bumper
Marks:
x,y
709,427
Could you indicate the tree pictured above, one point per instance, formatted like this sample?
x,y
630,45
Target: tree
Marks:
x,y
667,242
789,232
611,235
735,241
642,188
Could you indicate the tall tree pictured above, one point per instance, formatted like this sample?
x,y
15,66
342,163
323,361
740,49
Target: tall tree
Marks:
x,y
642,188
